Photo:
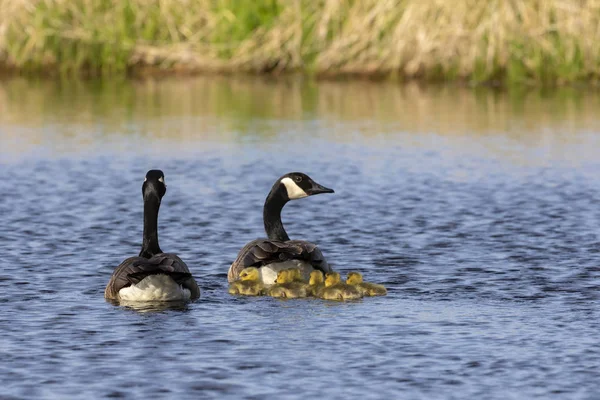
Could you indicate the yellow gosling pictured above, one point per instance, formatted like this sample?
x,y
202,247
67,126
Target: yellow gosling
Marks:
x,y
249,283
289,285
336,290
296,275
367,289
316,282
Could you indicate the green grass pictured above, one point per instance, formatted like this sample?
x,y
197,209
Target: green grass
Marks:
x,y
546,42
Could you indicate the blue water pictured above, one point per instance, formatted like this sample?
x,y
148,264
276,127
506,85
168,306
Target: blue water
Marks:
x,y
480,213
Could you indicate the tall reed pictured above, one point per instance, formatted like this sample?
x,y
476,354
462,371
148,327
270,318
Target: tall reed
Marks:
x,y
504,41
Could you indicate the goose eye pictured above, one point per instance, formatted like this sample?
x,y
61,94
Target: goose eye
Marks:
x,y
298,179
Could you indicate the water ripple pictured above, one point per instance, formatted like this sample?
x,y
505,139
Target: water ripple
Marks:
x,y
491,264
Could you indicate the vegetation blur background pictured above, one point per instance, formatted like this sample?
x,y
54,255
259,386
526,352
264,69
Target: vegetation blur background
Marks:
x,y
500,42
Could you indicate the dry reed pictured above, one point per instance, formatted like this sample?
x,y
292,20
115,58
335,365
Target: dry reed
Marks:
x,y
504,41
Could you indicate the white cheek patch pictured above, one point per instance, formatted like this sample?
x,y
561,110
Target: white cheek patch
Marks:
x,y
161,179
293,190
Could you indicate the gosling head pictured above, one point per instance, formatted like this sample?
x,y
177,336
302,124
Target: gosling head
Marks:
x,y
154,184
297,185
332,278
283,276
249,274
354,278
316,277
287,275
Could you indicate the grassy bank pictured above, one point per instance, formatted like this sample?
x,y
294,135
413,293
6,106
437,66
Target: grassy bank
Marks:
x,y
501,41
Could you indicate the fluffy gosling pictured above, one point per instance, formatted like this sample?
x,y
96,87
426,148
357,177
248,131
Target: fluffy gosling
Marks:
x,y
337,290
249,283
367,289
316,282
289,285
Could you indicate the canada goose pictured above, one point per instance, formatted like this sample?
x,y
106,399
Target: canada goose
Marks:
x,y
316,282
278,251
289,284
249,283
153,275
336,290
367,289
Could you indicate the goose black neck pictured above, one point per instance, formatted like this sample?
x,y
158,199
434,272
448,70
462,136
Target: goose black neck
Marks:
x,y
272,214
150,245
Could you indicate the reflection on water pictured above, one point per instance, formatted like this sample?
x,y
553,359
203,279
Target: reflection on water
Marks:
x,y
478,210
151,306
225,110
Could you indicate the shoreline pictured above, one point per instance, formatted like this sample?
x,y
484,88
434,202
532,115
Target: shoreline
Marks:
x,y
149,72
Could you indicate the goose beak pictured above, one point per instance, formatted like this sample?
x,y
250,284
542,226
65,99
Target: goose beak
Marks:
x,y
318,189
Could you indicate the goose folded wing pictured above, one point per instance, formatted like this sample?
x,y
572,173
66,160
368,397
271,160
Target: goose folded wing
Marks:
x,y
261,252
312,254
135,269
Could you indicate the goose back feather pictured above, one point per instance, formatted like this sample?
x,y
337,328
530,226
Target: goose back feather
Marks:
x,y
261,252
134,269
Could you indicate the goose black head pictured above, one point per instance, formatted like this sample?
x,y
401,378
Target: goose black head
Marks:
x,y
154,184
298,185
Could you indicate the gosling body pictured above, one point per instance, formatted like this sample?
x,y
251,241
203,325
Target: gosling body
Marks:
x,y
249,283
336,290
316,283
366,288
290,285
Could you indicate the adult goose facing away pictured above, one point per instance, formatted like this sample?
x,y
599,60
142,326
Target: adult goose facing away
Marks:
x,y
153,275
278,252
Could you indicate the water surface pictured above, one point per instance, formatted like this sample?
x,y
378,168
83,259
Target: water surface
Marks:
x,y
479,210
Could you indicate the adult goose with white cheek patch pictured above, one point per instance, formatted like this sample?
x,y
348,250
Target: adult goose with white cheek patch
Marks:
x,y
153,275
278,252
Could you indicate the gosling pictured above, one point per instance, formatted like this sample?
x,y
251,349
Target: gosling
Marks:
x,y
249,283
367,289
316,282
337,290
289,285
